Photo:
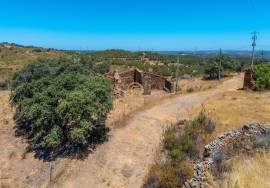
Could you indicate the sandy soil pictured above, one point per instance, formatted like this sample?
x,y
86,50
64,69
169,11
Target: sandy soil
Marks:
x,y
123,161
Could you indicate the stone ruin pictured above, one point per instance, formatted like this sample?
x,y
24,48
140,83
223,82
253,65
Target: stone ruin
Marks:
x,y
227,146
249,82
149,81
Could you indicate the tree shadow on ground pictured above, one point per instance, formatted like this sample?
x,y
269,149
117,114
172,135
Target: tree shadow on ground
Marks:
x,y
98,137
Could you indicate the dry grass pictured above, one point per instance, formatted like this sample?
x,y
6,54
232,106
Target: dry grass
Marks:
x,y
230,111
6,111
249,172
196,84
125,107
233,109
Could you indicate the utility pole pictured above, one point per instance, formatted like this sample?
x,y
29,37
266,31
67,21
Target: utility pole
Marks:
x,y
219,66
254,38
177,74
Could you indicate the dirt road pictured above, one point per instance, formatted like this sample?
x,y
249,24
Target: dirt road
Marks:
x,y
124,160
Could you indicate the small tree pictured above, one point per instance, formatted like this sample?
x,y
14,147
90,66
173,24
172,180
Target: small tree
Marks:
x,y
212,70
61,106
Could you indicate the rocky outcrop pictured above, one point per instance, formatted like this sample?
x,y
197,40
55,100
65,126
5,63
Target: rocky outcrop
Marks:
x,y
225,147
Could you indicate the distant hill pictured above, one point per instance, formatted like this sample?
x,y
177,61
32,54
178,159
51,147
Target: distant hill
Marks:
x,y
211,53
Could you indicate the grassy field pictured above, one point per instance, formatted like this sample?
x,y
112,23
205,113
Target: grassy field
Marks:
x,y
230,111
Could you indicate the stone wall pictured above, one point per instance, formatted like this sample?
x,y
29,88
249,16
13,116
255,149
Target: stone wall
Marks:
x,y
157,82
227,146
249,82
123,79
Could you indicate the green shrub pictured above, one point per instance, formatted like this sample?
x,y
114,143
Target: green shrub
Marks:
x,y
188,144
61,106
102,68
262,76
182,145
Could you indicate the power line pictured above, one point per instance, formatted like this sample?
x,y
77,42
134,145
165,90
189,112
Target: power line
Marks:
x,y
177,74
254,38
219,66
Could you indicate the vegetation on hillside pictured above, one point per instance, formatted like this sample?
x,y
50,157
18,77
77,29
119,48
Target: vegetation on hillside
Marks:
x,y
14,57
182,144
61,106
262,76
228,64
164,70
102,68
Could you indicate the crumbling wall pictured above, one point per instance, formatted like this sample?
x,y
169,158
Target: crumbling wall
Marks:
x,y
249,81
226,146
157,82
124,79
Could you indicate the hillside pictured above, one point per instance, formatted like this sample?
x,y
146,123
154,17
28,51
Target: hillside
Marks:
x,y
13,57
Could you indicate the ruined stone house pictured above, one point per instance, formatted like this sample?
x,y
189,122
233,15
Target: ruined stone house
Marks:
x,y
146,79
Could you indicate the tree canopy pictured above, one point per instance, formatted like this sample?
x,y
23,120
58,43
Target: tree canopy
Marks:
x,y
262,76
61,106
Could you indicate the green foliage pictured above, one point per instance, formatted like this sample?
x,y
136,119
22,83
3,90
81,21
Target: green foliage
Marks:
x,y
110,54
61,105
102,68
262,76
212,70
164,70
188,144
228,64
182,145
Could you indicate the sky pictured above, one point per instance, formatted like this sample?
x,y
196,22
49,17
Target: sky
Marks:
x,y
136,24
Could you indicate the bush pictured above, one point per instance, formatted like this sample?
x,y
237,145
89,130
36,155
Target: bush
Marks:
x,y
182,145
102,68
169,175
61,106
262,76
190,143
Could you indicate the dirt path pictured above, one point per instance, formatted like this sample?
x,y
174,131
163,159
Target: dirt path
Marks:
x,y
124,160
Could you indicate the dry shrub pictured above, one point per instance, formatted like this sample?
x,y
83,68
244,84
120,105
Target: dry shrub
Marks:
x,y
169,175
182,145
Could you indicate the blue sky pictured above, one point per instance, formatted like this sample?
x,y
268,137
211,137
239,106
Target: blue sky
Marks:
x,y
136,25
